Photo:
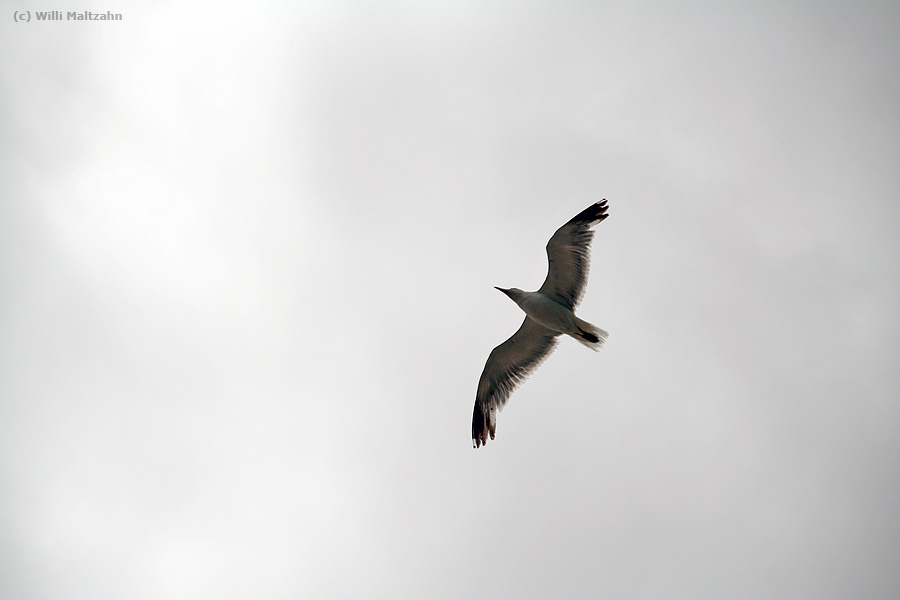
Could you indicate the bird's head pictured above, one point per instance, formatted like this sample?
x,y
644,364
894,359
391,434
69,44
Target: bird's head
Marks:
x,y
513,293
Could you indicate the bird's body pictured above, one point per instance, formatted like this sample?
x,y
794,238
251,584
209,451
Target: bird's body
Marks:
x,y
550,312
556,317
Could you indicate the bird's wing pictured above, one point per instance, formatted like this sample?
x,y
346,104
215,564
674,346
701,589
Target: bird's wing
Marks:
x,y
569,257
507,366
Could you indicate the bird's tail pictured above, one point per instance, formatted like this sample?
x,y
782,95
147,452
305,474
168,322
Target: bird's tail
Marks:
x,y
590,335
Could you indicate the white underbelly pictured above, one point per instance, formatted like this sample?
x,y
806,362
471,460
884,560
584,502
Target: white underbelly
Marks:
x,y
551,315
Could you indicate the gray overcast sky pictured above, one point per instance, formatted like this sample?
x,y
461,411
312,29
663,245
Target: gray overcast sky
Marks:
x,y
247,258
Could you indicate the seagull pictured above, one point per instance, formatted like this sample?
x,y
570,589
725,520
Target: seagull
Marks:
x,y
549,312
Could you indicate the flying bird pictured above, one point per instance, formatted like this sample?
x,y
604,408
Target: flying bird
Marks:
x,y
550,312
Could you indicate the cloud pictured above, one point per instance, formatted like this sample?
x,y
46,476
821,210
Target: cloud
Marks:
x,y
248,260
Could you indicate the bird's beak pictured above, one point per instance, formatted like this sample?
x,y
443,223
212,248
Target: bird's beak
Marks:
x,y
501,289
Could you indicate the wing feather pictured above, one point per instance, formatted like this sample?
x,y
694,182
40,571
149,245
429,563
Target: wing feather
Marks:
x,y
568,255
506,367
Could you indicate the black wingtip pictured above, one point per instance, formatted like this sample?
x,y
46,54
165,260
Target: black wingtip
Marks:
x,y
592,214
484,424
479,426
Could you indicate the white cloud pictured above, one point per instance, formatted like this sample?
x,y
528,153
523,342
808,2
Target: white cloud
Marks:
x,y
247,270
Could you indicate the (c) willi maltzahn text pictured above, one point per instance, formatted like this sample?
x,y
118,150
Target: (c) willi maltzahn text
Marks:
x,y
57,15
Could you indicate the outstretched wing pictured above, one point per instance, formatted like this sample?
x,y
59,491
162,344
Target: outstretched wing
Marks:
x,y
568,253
507,366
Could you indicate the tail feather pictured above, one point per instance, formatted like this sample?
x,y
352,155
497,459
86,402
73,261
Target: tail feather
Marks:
x,y
590,335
